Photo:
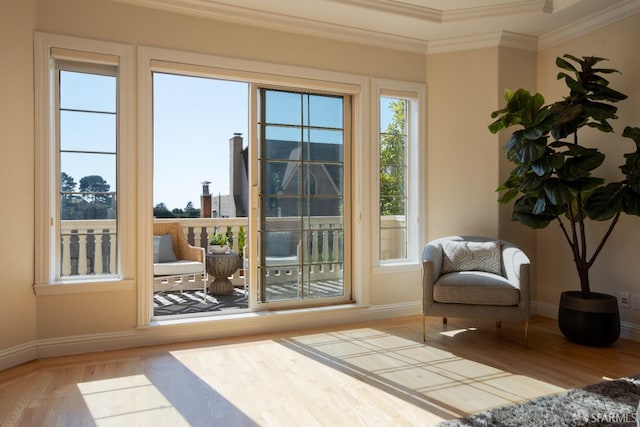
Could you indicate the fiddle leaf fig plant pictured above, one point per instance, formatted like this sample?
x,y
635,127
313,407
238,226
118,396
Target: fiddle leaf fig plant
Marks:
x,y
553,179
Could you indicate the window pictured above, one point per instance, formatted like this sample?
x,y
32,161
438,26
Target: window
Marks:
x,y
87,117
400,161
393,178
81,158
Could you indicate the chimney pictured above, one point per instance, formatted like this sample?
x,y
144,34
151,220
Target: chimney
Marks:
x,y
205,200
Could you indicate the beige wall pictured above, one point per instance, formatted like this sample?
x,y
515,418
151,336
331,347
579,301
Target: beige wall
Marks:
x,y
617,268
462,155
516,69
18,306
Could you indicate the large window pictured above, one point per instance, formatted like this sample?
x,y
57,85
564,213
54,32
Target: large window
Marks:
x,y
81,159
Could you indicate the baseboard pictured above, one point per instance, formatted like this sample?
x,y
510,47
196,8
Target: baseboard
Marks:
x,y
238,325
206,328
628,330
18,355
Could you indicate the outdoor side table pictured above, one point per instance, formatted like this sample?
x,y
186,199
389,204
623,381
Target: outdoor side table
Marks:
x,y
221,266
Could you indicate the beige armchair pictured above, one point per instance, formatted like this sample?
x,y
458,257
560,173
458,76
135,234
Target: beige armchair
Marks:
x,y
475,277
177,263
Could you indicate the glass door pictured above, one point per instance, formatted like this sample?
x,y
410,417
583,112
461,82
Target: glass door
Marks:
x,y
303,232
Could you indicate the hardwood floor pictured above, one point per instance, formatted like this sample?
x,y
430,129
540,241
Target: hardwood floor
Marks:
x,y
376,373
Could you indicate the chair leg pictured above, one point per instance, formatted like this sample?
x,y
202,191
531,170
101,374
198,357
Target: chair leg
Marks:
x,y
526,334
444,320
498,324
424,328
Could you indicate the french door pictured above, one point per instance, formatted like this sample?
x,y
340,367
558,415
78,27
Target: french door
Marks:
x,y
303,232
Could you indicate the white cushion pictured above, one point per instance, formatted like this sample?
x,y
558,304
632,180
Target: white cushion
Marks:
x,y
177,268
471,256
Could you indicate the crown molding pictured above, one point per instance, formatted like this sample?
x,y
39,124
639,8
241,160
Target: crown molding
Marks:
x,y
591,23
480,41
285,23
402,8
279,22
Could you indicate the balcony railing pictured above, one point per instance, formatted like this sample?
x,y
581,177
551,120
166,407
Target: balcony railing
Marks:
x,y
89,246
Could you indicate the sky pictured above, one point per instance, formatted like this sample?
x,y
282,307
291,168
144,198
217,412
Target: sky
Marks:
x,y
193,120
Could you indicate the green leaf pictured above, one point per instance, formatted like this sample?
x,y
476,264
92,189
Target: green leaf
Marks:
x,y
557,192
599,110
547,164
583,185
533,183
587,162
508,196
565,65
605,202
633,133
529,151
574,85
631,202
523,213
605,93
631,169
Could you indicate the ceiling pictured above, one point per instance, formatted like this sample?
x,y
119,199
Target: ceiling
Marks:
x,y
429,26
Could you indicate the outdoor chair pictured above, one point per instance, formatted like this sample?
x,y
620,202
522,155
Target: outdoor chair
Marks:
x,y
175,261
475,277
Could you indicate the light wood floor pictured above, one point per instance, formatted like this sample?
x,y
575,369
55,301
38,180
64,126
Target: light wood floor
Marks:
x,y
370,374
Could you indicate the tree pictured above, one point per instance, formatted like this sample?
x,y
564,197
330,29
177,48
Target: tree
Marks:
x,y
392,162
67,183
68,200
161,211
95,186
191,212
96,191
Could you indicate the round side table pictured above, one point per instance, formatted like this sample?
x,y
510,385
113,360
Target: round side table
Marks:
x,y
221,266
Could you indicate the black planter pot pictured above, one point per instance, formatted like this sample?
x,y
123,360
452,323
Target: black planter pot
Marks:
x,y
591,321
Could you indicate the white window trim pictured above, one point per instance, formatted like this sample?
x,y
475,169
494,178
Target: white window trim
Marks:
x,y
159,59
45,153
415,93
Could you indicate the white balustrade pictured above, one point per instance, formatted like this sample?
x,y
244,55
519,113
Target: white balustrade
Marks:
x,y
82,241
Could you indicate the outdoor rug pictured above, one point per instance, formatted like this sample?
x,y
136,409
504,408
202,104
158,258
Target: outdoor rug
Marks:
x,y
175,303
609,403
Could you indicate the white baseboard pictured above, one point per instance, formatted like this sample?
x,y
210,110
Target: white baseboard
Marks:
x,y
18,355
203,328
235,325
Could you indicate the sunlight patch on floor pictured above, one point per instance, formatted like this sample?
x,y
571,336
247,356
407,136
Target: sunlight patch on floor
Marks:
x,y
455,332
421,372
357,367
132,400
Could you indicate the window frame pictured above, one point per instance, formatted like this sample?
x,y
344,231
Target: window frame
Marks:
x,y
415,209
265,75
48,49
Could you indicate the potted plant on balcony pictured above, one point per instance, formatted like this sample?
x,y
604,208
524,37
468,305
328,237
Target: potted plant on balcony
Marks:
x,y
218,243
554,182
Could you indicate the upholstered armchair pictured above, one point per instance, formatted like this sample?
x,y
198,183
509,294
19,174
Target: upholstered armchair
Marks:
x,y
175,261
475,277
